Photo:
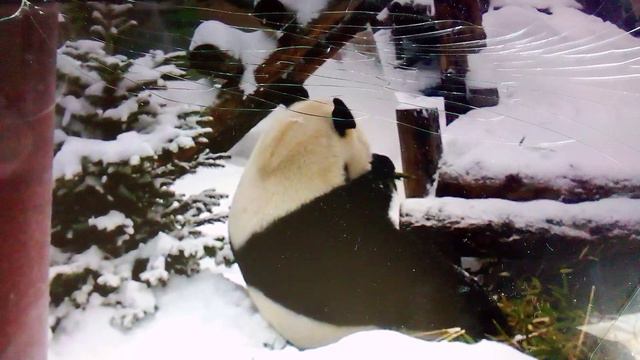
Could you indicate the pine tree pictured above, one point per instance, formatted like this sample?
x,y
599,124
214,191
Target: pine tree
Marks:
x,y
117,228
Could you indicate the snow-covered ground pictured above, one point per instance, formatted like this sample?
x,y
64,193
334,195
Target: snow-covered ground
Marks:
x,y
202,317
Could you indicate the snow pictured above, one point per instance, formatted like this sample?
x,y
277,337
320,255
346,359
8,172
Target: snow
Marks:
x,y
90,259
59,136
132,144
86,47
95,89
224,180
539,4
165,244
382,344
251,48
156,273
73,68
111,221
148,69
135,302
568,100
122,111
74,105
306,10
110,280
567,218
208,314
198,317
68,161
411,101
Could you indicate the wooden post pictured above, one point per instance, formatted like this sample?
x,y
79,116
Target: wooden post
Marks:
x,y
27,97
421,148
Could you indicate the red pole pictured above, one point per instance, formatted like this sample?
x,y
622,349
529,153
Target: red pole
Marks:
x,y
27,97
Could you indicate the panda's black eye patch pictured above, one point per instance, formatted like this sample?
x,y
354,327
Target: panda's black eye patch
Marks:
x,y
342,117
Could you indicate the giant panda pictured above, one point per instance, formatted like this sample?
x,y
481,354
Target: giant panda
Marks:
x,y
309,227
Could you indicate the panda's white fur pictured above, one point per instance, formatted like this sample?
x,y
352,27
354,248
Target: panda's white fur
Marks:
x,y
298,158
300,330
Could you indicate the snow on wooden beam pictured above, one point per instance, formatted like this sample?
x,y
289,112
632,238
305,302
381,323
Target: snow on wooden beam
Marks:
x,y
518,188
502,228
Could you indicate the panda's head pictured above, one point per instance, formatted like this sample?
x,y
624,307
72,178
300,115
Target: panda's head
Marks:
x,y
308,149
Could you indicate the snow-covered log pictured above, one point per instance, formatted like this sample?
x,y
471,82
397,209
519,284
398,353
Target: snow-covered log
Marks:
x,y
502,228
518,188
279,77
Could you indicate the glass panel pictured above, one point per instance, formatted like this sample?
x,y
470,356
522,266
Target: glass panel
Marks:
x,y
273,178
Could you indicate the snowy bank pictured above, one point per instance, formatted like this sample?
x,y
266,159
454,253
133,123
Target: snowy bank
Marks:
x,y
383,344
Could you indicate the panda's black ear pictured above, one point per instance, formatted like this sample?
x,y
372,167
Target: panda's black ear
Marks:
x,y
342,117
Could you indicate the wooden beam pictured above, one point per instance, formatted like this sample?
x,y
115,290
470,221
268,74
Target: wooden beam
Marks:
x,y
508,229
